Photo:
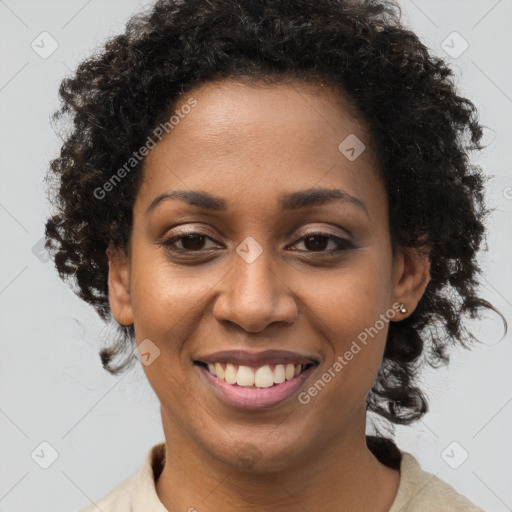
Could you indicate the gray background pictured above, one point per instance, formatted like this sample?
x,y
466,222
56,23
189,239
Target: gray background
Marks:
x,y
53,388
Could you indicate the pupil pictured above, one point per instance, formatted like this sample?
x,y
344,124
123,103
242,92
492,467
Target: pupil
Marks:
x,y
197,242
317,246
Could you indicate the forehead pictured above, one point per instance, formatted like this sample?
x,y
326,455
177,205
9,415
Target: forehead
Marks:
x,y
248,139
228,112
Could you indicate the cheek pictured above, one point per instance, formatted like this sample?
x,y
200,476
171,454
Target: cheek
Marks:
x,y
352,310
356,330
165,297
352,298
167,306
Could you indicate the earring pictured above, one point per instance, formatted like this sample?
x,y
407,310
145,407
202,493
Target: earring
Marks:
x,y
402,309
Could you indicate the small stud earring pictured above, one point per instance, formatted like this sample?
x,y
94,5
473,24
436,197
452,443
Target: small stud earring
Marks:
x,y
402,309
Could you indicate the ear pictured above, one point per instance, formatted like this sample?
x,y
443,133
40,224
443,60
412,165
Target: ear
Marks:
x,y
410,277
119,285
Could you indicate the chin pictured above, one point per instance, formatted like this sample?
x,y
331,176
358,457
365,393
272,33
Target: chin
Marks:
x,y
263,457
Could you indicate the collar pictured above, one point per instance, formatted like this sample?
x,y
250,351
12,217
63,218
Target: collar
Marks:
x,y
416,489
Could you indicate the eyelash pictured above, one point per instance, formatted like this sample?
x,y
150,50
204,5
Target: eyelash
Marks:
x,y
342,243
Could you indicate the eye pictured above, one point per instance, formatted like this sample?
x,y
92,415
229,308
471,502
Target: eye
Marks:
x,y
190,242
318,242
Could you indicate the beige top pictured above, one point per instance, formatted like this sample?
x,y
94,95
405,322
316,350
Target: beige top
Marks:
x,y
418,490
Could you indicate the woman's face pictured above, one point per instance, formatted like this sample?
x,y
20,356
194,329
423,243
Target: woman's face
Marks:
x,y
270,267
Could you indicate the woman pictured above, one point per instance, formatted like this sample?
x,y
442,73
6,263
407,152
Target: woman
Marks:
x,y
268,199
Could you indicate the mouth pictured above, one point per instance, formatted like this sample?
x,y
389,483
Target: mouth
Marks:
x,y
257,377
257,384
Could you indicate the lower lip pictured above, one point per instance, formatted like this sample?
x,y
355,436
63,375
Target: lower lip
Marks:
x,y
255,398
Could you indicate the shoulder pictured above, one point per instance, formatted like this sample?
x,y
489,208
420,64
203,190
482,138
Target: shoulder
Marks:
x,y
118,499
136,493
421,491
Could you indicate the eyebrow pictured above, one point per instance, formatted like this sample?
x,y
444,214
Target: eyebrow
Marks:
x,y
290,201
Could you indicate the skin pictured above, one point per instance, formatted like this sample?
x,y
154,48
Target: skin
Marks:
x,y
248,144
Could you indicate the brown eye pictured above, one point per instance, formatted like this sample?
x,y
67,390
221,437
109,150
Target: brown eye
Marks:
x,y
193,242
190,242
318,242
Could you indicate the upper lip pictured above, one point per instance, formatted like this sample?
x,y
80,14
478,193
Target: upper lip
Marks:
x,y
247,358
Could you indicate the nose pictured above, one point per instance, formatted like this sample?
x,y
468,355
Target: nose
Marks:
x,y
253,296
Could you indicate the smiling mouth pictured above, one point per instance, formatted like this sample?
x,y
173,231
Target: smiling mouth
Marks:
x,y
264,376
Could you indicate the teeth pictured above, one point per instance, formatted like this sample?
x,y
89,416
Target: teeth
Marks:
x,y
245,376
290,371
219,371
230,374
262,377
279,374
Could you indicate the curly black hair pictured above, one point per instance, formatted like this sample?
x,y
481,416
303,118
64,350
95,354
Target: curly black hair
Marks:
x,y
421,130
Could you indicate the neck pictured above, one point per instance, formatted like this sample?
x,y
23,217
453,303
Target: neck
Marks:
x,y
343,476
